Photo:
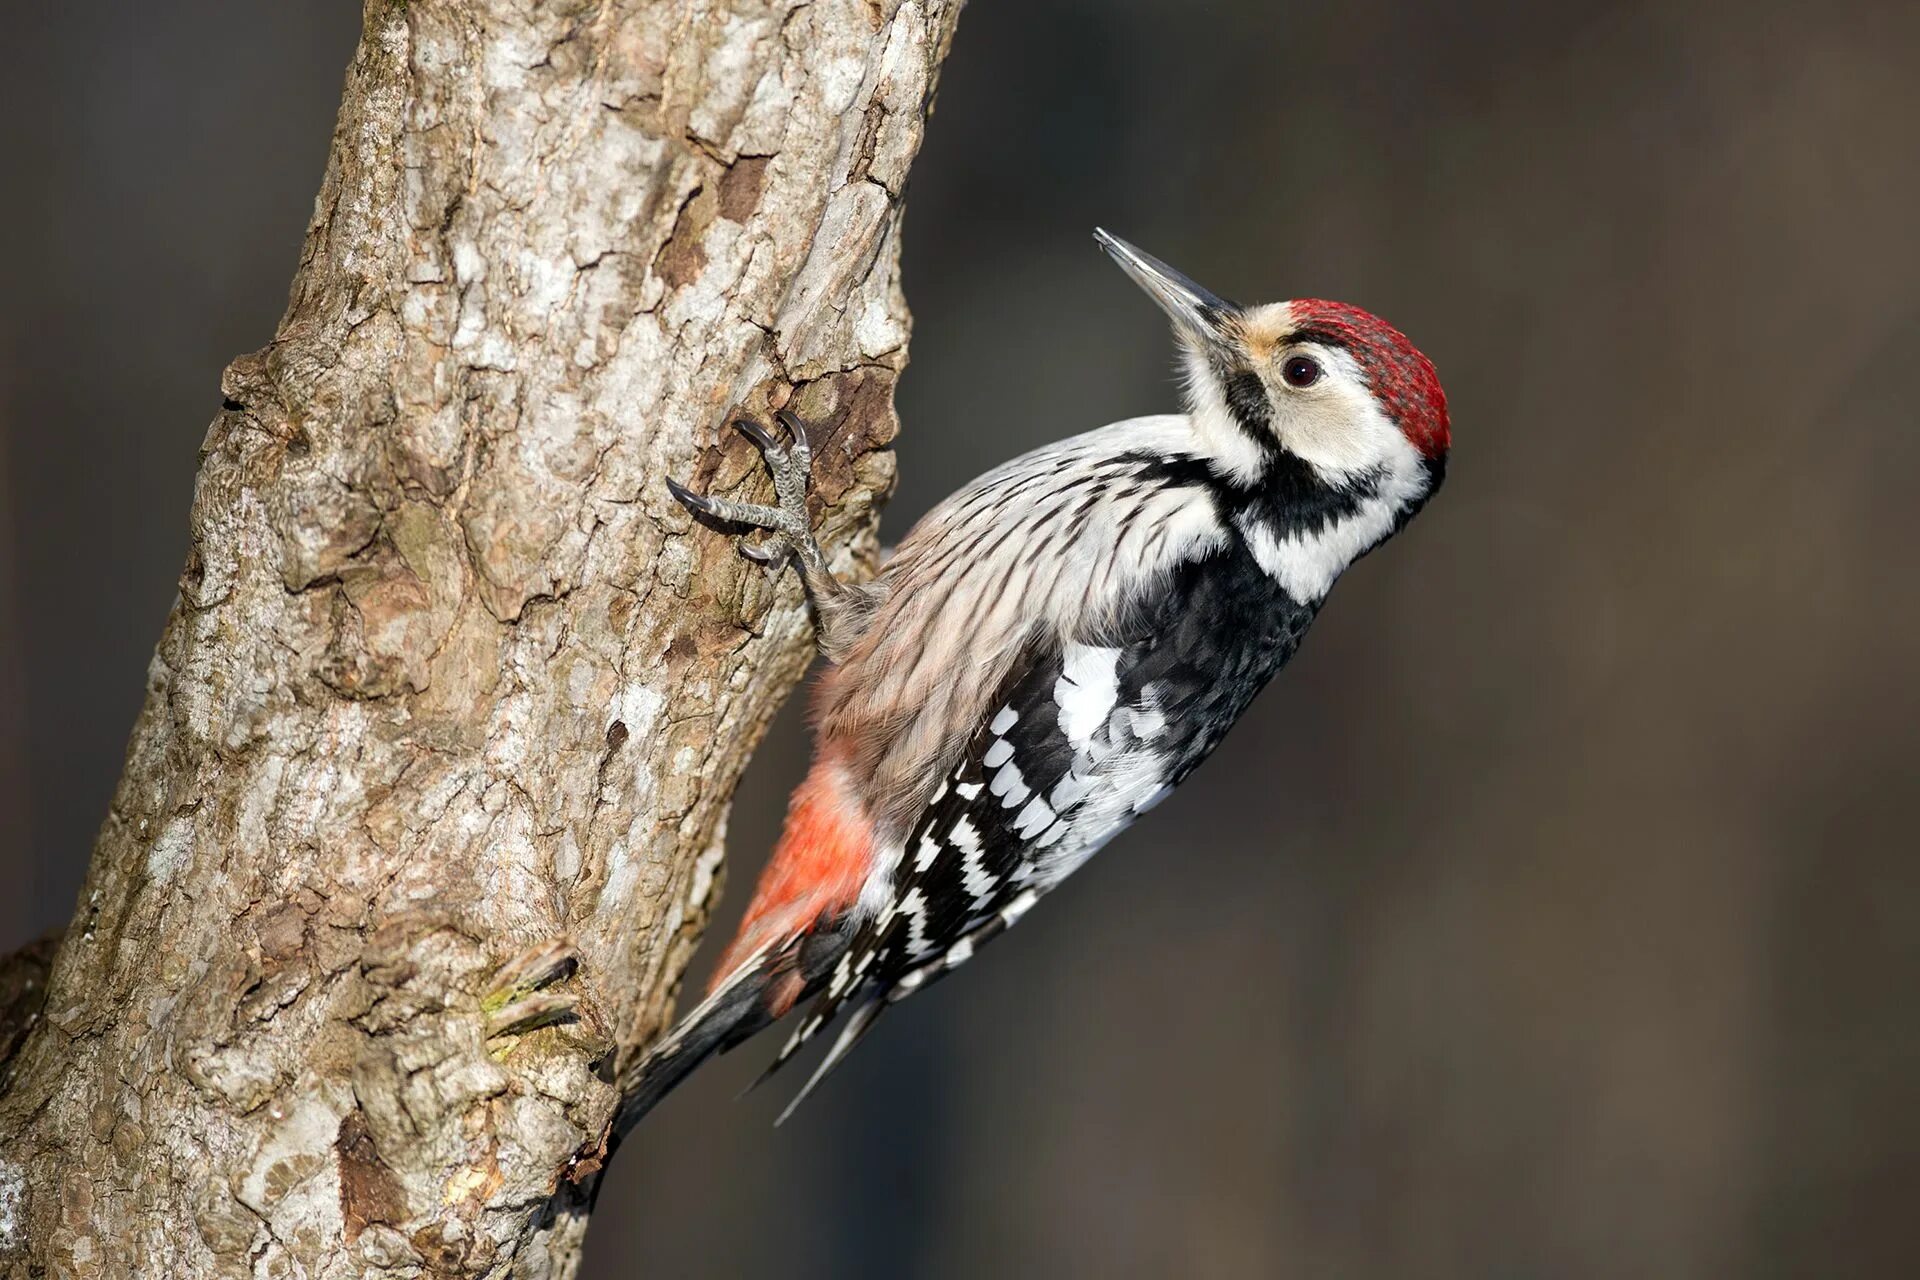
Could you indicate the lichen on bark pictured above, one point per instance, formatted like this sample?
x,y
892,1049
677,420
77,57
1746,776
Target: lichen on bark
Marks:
x,y
422,816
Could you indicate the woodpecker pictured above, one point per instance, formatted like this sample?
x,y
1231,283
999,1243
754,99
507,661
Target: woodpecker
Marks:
x,y
1051,650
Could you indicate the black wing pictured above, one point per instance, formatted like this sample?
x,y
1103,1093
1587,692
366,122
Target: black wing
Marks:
x,y
1083,738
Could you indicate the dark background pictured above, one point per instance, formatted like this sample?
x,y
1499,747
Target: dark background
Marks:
x,y
1556,914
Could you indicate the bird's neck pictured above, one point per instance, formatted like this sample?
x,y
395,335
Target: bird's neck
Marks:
x,y
1304,530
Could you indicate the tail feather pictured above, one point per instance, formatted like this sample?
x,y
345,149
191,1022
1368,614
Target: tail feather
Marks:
x,y
735,1011
748,1000
859,1022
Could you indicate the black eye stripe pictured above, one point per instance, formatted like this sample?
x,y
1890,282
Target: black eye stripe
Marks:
x,y
1247,401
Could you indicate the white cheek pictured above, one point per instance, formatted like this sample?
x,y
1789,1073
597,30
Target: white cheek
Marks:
x,y
1339,429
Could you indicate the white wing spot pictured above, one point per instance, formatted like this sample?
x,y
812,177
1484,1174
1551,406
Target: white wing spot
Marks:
x,y
997,754
1010,786
973,871
1088,687
1033,819
1070,791
968,790
960,952
842,976
1012,912
915,905
1007,718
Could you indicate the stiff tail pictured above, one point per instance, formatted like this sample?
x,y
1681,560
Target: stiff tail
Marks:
x,y
736,1010
751,998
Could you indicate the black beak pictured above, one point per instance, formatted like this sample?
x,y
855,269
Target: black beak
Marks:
x,y
1197,311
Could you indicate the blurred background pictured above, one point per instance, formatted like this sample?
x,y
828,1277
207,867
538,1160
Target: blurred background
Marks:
x,y
1592,947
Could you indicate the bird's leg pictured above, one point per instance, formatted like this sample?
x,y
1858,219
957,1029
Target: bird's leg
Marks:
x,y
835,605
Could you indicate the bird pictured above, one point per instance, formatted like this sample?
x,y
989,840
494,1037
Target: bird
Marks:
x,y
1050,651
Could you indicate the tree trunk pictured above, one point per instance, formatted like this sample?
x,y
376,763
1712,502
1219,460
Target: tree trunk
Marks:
x,y
423,814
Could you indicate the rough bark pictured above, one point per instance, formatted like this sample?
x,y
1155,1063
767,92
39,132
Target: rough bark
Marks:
x,y
424,811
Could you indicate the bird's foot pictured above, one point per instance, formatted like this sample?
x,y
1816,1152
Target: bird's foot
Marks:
x,y
791,463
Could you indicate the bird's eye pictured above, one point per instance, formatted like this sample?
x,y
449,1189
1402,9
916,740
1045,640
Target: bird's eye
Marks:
x,y
1301,371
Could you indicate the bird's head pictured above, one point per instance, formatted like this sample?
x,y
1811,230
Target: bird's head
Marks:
x,y
1320,383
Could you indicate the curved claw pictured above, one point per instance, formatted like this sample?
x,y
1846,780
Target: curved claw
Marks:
x,y
761,437
791,421
772,554
688,498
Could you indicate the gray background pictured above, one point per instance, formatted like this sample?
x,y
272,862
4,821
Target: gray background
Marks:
x,y
1556,914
